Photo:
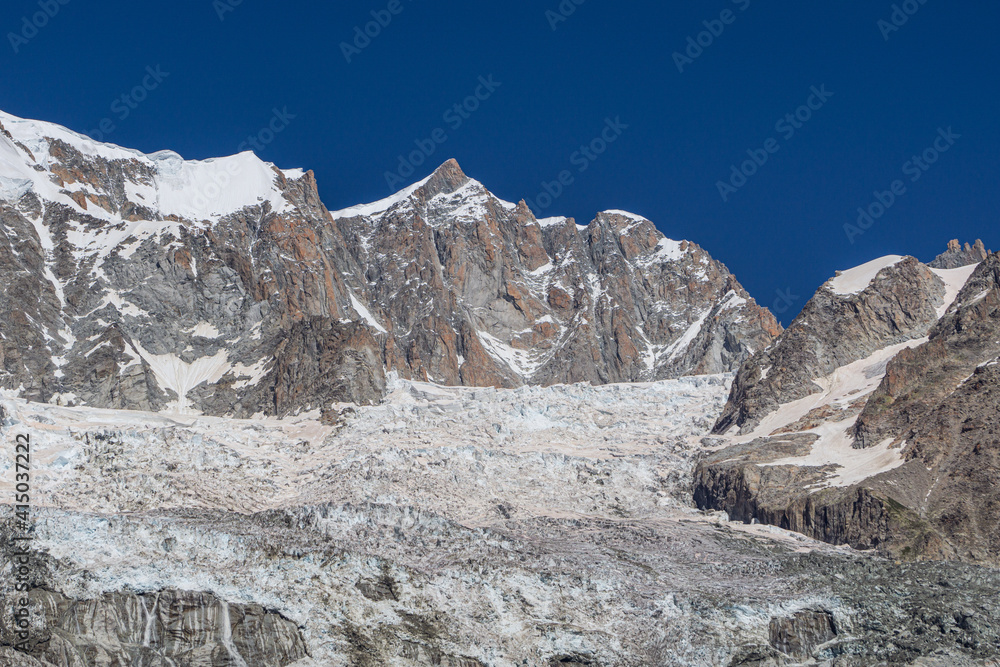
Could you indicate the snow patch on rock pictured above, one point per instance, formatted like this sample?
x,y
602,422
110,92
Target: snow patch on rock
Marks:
x,y
857,280
954,281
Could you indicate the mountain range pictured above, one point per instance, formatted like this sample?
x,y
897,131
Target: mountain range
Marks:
x,y
226,287
436,430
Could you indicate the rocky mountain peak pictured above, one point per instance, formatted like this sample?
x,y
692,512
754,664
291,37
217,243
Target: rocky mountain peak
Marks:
x,y
523,213
885,302
446,179
958,256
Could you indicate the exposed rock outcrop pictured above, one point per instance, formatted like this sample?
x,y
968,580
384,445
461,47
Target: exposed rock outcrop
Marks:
x,y
743,482
476,291
165,628
319,361
919,379
800,634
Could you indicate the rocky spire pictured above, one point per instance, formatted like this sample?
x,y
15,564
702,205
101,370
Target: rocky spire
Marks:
x,y
958,256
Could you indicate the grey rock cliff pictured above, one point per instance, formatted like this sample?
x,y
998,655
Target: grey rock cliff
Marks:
x,y
165,628
476,291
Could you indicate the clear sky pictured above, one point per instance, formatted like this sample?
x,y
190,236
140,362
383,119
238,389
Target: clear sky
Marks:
x,y
553,77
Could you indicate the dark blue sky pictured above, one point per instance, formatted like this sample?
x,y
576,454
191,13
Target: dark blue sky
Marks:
x,y
783,230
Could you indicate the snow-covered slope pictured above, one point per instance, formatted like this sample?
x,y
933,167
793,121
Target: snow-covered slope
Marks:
x,y
857,280
164,183
461,526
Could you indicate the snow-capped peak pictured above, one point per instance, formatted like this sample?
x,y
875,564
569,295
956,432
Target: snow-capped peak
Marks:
x,y
163,181
381,206
447,185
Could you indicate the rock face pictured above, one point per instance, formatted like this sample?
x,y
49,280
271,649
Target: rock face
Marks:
x,y
318,362
476,291
165,628
917,381
785,496
939,402
848,319
799,635
902,444
149,282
